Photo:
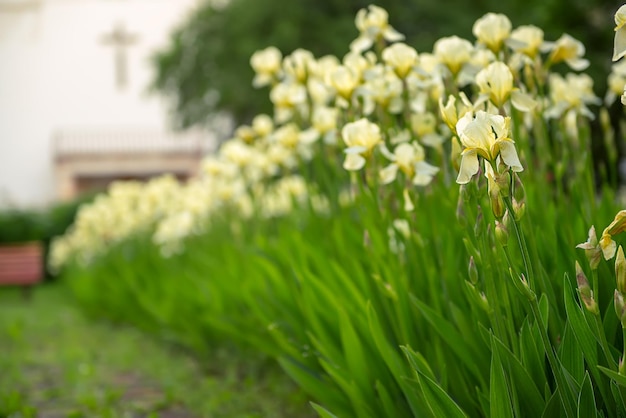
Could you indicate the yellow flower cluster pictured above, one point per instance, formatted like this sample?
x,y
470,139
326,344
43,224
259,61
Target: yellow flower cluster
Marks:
x,y
383,85
384,109
236,179
129,207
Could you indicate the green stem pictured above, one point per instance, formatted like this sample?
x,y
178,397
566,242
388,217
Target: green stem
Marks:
x,y
594,283
493,297
604,343
521,243
567,399
623,351
599,326
507,303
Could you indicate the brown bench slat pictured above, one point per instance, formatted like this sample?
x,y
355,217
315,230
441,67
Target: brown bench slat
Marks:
x,y
21,264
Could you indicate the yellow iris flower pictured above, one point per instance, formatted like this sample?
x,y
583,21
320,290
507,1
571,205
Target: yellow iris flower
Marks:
x,y
453,52
569,50
607,245
496,82
408,157
528,40
485,135
401,58
360,137
492,30
266,64
593,252
619,47
373,24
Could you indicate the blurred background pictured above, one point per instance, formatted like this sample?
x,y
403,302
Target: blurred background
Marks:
x,y
75,111
97,90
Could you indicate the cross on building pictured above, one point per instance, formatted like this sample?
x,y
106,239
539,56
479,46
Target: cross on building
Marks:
x,y
120,39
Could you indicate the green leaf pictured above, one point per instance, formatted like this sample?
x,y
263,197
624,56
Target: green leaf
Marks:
x,y
362,404
313,384
351,292
440,403
611,323
389,355
485,334
326,351
554,408
471,357
544,310
354,354
531,401
393,360
499,396
617,392
533,362
418,362
389,406
586,399
483,400
323,325
464,322
582,332
571,357
616,377
322,412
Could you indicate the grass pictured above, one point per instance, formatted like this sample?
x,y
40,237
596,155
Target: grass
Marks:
x,y
55,362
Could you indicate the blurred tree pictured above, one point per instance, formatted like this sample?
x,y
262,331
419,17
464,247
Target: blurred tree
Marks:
x,y
206,68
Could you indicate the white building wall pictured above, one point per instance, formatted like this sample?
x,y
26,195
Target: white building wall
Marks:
x,y
55,72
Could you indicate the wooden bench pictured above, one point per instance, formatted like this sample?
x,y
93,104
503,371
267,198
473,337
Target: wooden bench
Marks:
x,y
21,264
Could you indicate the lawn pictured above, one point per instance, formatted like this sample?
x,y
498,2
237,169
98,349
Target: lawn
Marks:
x,y
55,362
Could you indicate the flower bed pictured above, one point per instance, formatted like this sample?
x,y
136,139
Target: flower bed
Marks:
x,y
400,235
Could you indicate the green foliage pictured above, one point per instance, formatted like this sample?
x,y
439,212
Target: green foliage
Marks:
x,y
369,305
60,216
205,68
367,331
23,225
